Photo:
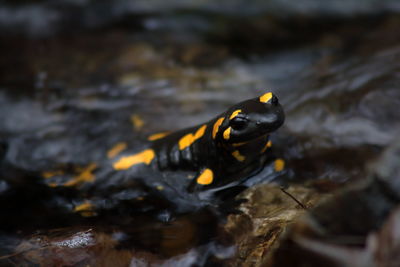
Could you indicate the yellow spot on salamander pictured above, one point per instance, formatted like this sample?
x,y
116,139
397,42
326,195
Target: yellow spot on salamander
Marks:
x,y
146,157
84,206
265,97
235,113
160,187
238,156
85,176
227,133
279,165
267,145
157,136
85,209
216,127
239,144
116,149
206,177
50,174
137,122
190,138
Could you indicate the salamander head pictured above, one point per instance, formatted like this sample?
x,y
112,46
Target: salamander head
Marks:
x,y
249,120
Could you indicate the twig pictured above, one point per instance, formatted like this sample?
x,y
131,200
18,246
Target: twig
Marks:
x,y
295,199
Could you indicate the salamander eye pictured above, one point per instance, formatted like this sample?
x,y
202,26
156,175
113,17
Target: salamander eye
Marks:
x,y
238,123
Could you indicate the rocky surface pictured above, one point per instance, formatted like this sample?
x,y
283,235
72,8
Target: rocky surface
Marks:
x,y
74,74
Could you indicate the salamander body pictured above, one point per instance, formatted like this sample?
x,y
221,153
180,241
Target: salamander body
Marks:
x,y
229,147
183,167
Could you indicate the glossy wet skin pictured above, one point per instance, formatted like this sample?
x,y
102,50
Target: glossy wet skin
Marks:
x,y
229,147
183,167
233,146
255,119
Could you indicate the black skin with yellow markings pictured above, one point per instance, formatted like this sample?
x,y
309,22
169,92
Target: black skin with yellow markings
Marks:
x,y
233,161
234,147
100,194
250,130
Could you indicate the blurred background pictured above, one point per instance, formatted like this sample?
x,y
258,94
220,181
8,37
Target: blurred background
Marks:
x,y
94,64
77,76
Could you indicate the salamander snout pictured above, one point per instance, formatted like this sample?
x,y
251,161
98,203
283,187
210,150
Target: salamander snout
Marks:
x,y
270,116
272,120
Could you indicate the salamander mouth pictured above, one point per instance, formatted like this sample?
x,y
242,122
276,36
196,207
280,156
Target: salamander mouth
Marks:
x,y
260,140
264,137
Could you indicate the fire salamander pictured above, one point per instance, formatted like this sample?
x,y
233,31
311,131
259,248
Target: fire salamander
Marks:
x,y
219,154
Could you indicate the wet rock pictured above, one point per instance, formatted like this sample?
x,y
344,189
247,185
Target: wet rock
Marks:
x,y
60,248
340,123
130,239
68,96
383,246
387,169
266,215
341,231
42,18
